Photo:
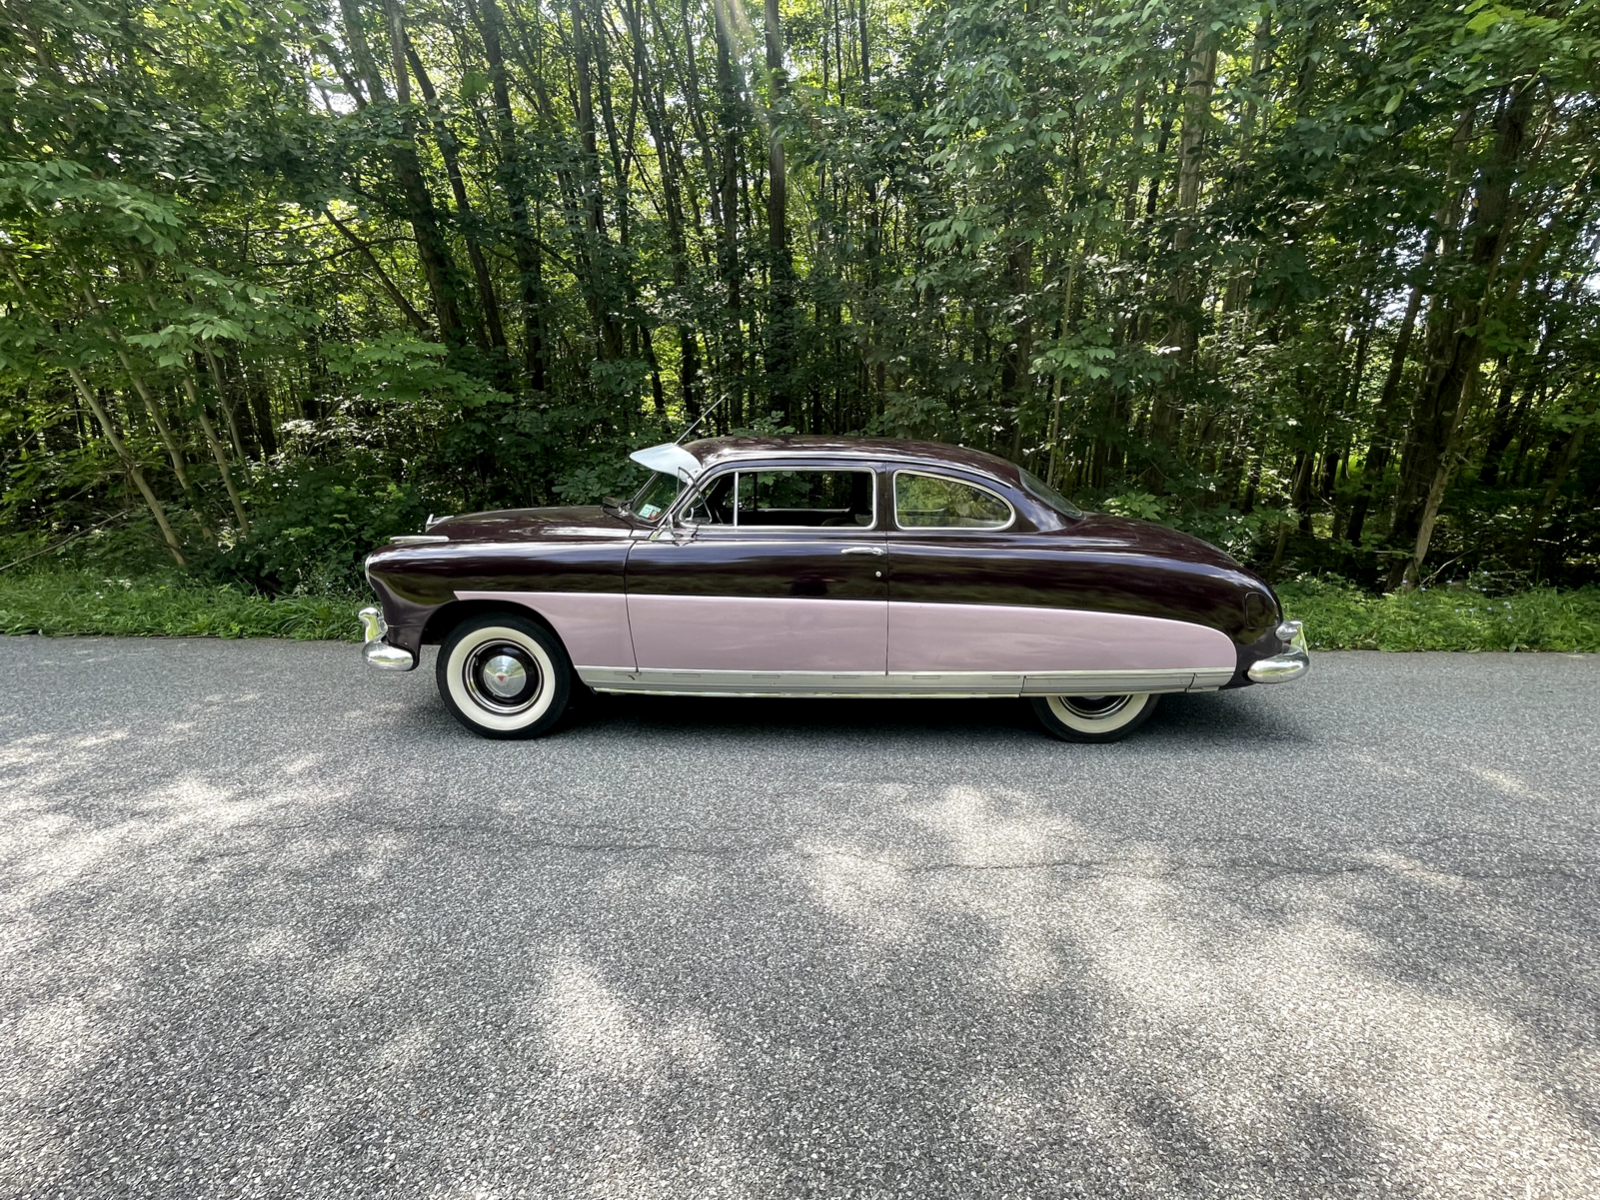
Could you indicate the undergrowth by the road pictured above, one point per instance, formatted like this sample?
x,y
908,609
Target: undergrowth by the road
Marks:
x,y
1337,616
1341,617
81,602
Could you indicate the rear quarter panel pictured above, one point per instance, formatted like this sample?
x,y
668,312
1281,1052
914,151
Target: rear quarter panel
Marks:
x,y
1093,573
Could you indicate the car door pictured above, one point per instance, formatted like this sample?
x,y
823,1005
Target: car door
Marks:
x,y
948,539
775,581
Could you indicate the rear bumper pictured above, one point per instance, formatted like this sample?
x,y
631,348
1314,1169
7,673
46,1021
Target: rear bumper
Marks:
x,y
1293,661
378,652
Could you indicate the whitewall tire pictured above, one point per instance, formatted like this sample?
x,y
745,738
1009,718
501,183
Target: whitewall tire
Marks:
x,y
1094,718
504,676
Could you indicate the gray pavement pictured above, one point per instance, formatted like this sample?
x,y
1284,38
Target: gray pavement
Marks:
x,y
273,925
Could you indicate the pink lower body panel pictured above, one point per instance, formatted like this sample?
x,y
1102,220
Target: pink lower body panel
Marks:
x,y
1002,637
592,625
758,633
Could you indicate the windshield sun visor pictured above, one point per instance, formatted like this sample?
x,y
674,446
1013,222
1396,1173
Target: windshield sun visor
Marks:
x,y
669,458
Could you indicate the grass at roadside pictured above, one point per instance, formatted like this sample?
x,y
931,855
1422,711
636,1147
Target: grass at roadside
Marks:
x,y
77,602
1337,616
1340,617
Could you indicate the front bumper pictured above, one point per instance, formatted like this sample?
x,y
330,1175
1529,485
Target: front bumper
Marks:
x,y
1293,661
378,652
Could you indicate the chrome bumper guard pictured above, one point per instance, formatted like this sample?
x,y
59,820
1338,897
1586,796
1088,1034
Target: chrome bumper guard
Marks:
x,y
378,652
1291,663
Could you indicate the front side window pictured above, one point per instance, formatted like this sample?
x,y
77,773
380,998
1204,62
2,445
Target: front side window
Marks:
x,y
804,499
939,502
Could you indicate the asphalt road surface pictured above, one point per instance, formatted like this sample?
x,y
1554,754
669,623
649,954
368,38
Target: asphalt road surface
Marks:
x,y
274,925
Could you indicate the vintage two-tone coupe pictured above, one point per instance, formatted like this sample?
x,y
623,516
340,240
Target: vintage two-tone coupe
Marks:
x,y
814,566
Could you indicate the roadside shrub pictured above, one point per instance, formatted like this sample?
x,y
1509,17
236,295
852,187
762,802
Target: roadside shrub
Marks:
x,y
312,525
61,603
1340,616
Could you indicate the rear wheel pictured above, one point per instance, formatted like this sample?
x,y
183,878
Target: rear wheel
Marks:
x,y
1094,718
504,676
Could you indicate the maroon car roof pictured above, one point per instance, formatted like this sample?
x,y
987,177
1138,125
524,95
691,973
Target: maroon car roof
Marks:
x,y
711,451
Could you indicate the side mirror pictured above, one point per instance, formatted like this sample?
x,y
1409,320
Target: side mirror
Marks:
x,y
684,529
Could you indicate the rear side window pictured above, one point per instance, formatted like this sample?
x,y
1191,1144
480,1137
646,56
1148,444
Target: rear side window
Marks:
x,y
939,502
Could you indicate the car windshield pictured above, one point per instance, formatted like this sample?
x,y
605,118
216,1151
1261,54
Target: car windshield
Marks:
x,y
655,497
1047,495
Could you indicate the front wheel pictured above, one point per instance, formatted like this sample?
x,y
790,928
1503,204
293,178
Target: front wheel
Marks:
x,y
503,676
1094,718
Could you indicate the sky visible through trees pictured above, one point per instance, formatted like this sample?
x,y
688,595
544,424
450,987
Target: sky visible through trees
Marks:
x,y
1317,281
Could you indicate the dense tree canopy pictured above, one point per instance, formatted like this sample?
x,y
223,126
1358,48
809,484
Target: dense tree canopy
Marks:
x,y
1316,280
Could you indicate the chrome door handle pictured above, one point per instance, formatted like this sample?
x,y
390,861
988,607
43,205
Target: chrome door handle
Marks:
x,y
878,551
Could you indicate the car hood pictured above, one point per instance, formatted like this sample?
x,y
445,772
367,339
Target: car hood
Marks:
x,y
1142,537
533,525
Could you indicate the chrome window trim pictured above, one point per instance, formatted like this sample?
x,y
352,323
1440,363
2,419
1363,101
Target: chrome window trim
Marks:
x,y
894,500
684,501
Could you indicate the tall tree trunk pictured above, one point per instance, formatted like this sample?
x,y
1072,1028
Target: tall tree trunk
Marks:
x,y
1500,428
198,407
1016,379
1184,333
728,118
669,155
1196,116
601,301
225,403
117,446
1456,334
1547,502
129,465
164,431
391,289
449,150
781,309
1441,478
513,185
153,408
432,251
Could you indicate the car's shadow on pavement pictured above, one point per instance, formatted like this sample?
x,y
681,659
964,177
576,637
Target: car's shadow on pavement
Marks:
x,y
1213,719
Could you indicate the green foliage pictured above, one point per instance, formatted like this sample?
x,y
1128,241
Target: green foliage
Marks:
x,y
67,603
315,524
1141,505
1157,252
1339,616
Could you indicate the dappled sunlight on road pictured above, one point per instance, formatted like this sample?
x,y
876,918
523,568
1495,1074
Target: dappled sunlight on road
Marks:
x,y
441,967
1266,1021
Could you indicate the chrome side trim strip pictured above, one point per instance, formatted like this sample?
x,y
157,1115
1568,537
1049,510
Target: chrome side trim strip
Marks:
x,y
1113,683
1210,681
947,684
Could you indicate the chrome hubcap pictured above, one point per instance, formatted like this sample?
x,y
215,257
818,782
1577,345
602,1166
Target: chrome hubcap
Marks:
x,y
504,676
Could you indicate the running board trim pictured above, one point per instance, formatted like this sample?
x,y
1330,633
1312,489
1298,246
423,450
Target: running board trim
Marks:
x,y
931,684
